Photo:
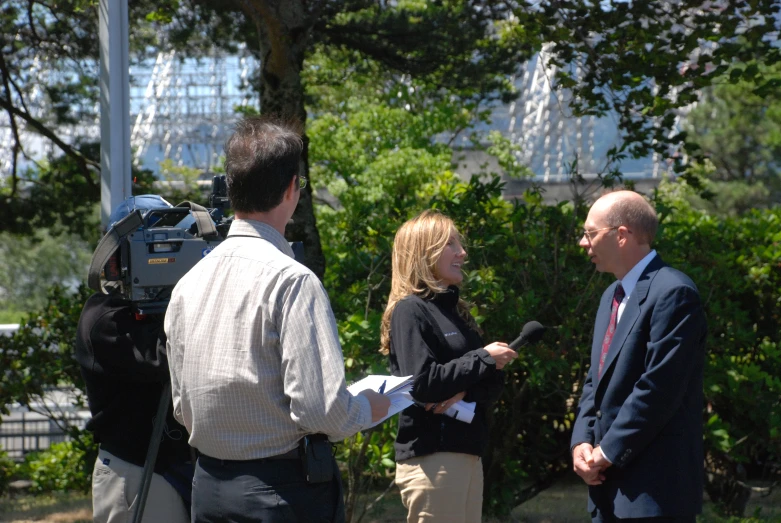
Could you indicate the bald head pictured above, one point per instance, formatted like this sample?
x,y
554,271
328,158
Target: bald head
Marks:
x,y
631,210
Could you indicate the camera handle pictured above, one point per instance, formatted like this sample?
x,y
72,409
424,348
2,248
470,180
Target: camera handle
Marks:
x,y
114,237
203,220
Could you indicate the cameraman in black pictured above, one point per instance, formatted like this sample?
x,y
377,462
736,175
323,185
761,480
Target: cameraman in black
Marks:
x,y
123,362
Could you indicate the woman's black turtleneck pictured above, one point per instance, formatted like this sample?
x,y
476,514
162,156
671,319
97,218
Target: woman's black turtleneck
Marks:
x,y
431,342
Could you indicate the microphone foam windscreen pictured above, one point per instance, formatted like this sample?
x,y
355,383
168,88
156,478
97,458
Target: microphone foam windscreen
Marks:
x,y
533,331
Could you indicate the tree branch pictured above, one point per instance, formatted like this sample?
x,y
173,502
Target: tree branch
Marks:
x,y
14,130
84,162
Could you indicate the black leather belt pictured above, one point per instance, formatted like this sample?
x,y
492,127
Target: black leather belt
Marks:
x,y
291,454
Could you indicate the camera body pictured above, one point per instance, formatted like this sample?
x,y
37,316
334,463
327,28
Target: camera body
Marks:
x,y
155,256
143,256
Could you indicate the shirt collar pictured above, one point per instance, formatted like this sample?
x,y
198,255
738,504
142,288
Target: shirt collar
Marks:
x,y
630,280
448,298
260,230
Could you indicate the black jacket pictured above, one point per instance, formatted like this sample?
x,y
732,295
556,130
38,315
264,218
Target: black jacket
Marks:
x,y
124,366
431,342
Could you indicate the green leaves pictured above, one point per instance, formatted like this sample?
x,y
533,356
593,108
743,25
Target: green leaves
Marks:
x,y
40,355
736,264
646,60
30,265
737,134
451,44
7,470
380,163
63,467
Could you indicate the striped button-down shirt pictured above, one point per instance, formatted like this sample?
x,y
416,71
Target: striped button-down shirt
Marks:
x,y
254,352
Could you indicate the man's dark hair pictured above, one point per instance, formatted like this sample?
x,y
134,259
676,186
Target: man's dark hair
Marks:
x,y
261,158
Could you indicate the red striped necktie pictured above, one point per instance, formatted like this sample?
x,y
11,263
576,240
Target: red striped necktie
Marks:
x,y
618,297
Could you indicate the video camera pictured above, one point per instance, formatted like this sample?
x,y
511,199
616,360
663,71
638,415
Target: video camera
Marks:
x,y
145,255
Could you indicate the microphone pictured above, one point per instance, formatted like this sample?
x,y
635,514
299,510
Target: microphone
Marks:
x,y
532,332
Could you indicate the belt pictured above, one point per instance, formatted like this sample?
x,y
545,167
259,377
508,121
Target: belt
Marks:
x,y
291,454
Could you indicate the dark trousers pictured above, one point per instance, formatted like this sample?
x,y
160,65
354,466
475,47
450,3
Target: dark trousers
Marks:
x,y
598,517
268,491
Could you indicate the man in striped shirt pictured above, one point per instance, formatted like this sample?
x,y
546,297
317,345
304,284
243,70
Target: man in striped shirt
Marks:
x,y
255,359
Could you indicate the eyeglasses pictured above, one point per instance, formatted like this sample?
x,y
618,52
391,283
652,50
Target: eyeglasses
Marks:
x,y
302,181
590,234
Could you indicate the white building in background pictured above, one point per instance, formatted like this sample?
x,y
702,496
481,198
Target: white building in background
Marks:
x,y
182,109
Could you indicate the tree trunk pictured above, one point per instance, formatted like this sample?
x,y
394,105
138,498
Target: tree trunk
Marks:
x,y
284,28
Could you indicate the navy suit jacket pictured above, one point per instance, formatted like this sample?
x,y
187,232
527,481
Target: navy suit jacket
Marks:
x,y
645,411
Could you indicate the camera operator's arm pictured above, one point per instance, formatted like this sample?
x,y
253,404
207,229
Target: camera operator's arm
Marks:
x,y
312,364
110,341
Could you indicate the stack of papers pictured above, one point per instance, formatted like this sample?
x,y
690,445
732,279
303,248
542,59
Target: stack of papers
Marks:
x,y
396,388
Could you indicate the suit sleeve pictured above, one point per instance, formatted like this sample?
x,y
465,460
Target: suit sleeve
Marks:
x,y
419,353
672,357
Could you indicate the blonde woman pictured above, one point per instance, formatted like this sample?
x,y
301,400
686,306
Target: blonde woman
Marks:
x,y
428,332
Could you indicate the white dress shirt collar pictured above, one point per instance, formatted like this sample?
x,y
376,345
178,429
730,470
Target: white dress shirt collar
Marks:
x,y
260,230
630,280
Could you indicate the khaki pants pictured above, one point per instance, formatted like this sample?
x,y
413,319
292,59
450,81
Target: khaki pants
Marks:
x,y
115,485
444,487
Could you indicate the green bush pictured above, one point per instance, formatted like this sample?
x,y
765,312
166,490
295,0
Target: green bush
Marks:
x,y
65,466
7,471
375,154
524,263
39,356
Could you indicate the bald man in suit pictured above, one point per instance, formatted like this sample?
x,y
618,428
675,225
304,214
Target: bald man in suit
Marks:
x,y
637,439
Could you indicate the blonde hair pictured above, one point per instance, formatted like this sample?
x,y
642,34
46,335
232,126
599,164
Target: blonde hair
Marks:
x,y
417,247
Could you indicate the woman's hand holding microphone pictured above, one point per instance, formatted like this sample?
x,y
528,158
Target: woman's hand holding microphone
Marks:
x,y
501,353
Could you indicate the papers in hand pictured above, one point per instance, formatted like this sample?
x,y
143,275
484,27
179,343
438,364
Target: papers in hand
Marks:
x,y
397,390
462,411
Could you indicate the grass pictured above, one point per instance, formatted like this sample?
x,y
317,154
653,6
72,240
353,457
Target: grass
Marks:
x,y
56,507
12,316
565,502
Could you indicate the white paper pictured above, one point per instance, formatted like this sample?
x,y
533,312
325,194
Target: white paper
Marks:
x,y
375,381
462,411
397,390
